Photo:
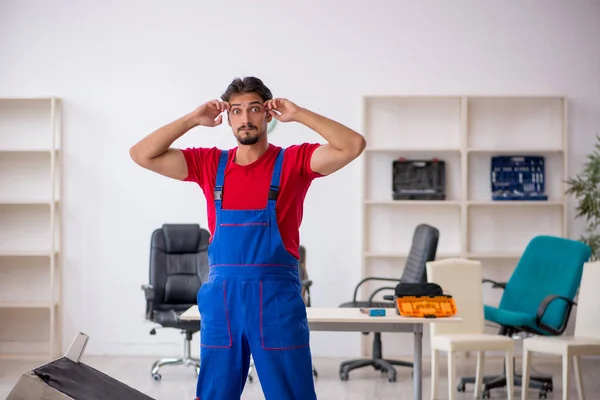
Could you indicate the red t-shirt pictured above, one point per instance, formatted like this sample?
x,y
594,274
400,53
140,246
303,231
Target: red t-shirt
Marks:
x,y
247,187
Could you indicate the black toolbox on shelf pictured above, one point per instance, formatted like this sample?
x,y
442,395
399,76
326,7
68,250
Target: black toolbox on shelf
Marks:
x,y
419,179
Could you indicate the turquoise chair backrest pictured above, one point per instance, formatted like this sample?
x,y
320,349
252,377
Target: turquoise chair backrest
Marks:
x,y
549,266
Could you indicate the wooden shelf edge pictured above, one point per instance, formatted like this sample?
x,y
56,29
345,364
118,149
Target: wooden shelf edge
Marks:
x,y
467,96
30,98
488,256
29,150
411,150
32,253
413,202
483,203
517,152
374,254
495,256
27,202
516,203
32,305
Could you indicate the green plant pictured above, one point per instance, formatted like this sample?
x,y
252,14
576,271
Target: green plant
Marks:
x,y
585,187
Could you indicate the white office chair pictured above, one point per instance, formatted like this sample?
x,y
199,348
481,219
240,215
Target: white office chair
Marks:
x,y
585,339
462,279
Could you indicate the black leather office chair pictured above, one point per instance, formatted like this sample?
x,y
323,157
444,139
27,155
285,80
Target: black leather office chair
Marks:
x,y
178,266
306,283
423,249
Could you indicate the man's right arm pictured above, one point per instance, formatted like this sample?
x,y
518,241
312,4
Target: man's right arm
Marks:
x,y
154,152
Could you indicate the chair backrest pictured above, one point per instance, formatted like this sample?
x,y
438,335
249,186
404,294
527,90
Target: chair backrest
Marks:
x,y
302,264
549,266
460,278
587,323
423,249
302,271
178,263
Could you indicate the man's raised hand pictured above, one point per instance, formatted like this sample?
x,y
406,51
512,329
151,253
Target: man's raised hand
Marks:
x,y
207,113
282,109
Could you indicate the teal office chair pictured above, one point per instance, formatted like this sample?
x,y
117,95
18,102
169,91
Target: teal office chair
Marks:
x,y
537,299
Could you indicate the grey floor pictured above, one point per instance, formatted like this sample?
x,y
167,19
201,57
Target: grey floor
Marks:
x,y
178,383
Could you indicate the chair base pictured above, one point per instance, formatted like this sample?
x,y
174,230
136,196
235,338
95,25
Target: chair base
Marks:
x,y
543,383
379,364
187,360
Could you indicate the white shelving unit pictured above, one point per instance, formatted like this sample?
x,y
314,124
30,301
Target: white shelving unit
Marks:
x,y
30,142
465,132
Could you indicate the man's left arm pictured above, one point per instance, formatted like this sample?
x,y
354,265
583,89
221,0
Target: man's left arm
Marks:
x,y
342,147
343,144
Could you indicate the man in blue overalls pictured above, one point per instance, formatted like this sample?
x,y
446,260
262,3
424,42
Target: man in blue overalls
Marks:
x,y
251,303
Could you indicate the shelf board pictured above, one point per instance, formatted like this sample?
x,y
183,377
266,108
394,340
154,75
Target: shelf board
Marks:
x,y
516,152
410,150
32,253
25,202
405,255
45,304
484,255
516,203
28,150
32,98
413,202
495,255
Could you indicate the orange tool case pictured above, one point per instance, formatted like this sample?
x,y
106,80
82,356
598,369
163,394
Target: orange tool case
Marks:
x,y
422,300
426,306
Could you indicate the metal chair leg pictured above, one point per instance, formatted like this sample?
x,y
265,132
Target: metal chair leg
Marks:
x,y
187,359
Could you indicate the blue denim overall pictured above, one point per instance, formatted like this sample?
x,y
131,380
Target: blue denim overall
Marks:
x,y
252,304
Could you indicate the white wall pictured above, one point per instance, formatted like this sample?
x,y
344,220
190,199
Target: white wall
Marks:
x,y
126,68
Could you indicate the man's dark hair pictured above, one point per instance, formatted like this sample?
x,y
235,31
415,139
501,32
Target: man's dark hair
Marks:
x,y
249,84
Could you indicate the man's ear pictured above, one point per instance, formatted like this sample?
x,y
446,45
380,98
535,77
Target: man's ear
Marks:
x,y
268,116
228,119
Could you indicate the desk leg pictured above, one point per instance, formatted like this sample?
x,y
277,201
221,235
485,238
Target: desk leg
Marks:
x,y
418,362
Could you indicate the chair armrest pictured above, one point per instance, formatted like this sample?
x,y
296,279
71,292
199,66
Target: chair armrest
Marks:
x,y
149,294
380,290
307,283
544,306
495,285
372,278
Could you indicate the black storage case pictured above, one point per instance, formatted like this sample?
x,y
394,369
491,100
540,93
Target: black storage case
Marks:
x,y
419,179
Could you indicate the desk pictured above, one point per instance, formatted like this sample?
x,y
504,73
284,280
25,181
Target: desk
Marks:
x,y
352,320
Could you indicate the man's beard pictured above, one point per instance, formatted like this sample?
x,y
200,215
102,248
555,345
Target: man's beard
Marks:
x,y
248,140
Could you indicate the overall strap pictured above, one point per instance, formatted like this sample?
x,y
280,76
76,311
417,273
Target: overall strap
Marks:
x,y
220,178
274,189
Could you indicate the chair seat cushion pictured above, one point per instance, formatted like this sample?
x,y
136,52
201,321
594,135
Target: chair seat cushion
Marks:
x,y
560,345
365,304
509,318
472,341
170,319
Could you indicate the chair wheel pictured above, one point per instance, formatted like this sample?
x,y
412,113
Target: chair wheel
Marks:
x,y
486,394
542,394
156,376
315,374
250,378
344,376
460,387
392,378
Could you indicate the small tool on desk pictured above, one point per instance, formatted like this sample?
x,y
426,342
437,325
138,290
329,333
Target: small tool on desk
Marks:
x,y
373,312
